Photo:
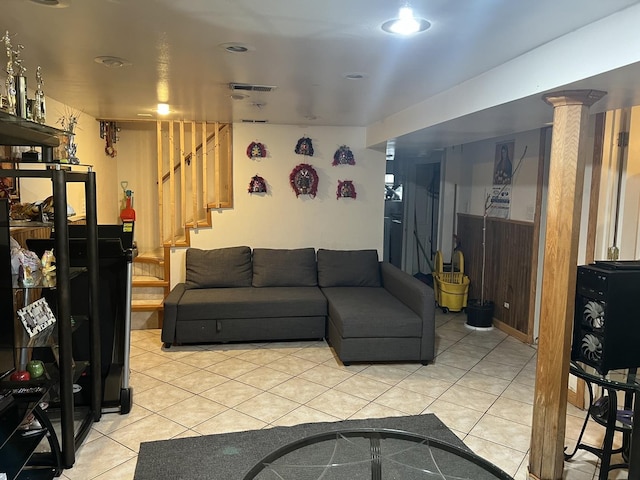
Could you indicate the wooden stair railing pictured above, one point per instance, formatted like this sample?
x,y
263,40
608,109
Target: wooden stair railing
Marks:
x,y
191,198
185,199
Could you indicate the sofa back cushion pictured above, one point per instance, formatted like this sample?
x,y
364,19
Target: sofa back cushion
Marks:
x,y
222,267
348,268
284,268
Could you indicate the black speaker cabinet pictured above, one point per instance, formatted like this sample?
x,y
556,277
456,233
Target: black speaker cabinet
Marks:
x,y
606,328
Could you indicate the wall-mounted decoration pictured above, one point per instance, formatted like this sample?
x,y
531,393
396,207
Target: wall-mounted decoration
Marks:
x,y
257,185
256,150
500,200
304,147
304,180
109,133
346,189
343,156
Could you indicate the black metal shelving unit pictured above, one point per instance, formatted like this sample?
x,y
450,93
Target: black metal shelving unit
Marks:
x,y
17,446
72,421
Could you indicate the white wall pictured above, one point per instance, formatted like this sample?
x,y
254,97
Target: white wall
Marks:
x,y
279,219
478,160
136,164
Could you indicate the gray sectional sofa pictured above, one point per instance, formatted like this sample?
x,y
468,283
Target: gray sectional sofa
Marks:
x,y
368,310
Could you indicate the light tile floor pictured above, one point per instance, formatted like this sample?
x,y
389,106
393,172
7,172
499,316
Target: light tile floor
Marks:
x,y
480,385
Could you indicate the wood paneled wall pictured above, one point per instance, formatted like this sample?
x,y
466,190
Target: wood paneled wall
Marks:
x,y
21,234
509,250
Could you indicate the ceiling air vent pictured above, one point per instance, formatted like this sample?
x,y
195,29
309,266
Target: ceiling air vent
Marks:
x,y
245,120
246,87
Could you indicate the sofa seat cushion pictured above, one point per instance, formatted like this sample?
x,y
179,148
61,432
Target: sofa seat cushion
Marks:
x,y
359,312
249,302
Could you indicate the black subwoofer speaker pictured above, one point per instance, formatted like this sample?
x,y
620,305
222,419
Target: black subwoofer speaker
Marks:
x,y
606,328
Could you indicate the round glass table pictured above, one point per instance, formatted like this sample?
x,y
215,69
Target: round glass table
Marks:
x,y
377,454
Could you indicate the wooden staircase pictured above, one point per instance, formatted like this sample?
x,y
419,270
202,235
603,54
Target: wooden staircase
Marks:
x,y
187,190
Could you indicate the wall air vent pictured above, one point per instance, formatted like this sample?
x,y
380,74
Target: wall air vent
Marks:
x,y
246,87
245,120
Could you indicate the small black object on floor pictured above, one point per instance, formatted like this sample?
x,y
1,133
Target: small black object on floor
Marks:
x,y
426,278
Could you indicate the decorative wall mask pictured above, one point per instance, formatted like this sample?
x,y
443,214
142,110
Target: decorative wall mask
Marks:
x,y
346,189
304,180
256,150
343,156
304,147
257,185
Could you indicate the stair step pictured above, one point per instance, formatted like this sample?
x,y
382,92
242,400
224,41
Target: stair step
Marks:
x,y
153,260
179,241
151,256
147,305
148,281
202,223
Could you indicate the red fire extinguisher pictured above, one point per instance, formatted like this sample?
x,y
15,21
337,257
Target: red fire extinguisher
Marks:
x,y
128,214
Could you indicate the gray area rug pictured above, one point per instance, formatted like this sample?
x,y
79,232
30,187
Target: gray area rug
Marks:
x,y
230,456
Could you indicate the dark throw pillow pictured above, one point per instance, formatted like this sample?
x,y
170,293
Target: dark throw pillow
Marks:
x,y
348,268
284,268
222,267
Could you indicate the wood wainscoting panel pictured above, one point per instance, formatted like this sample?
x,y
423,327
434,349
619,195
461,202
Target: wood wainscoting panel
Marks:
x,y
509,250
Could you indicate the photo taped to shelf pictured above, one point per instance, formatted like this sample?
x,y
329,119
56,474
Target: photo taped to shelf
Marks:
x,y
36,317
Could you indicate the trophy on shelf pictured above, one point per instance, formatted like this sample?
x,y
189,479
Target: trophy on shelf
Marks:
x,y
39,111
10,82
20,83
66,152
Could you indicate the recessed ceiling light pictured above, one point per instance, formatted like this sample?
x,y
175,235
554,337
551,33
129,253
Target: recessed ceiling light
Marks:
x,y
112,62
144,115
235,47
406,23
163,109
238,96
355,76
52,3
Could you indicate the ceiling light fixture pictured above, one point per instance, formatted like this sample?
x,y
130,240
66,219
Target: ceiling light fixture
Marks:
x,y
355,76
406,23
163,109
52,3
112,62
235,47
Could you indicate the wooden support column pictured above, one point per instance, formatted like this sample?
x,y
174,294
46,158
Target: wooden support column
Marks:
x,y
570,119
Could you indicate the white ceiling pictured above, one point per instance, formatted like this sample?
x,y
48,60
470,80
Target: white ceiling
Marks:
x,y
303,47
